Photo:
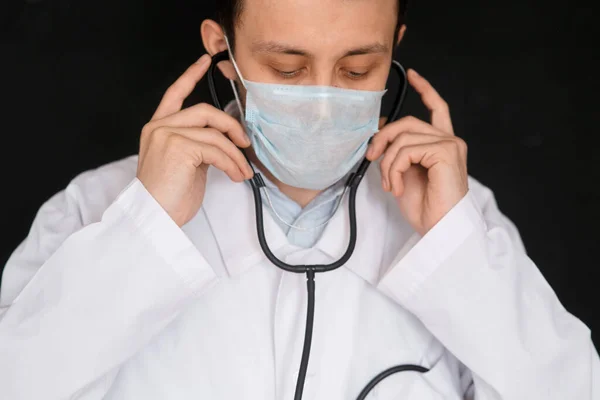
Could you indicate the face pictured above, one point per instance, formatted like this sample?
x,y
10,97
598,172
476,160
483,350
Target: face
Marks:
x,y
341,43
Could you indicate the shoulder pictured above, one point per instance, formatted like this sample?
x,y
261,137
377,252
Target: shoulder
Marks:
x,y
93,191
81,203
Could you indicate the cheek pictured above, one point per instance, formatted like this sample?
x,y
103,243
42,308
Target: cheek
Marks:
x,y
375,81
255,71
228,70
249,68
380,78
382,73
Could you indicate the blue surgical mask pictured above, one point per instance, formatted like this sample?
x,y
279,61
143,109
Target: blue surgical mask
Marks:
x,y
308,136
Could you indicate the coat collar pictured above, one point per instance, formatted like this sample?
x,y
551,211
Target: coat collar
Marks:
x,y
229,208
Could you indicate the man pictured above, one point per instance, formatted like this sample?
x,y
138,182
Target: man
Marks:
x,y
144,278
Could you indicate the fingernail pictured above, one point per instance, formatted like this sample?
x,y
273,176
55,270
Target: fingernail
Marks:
x,y
203,60
369,151
415,72
384,183
247,139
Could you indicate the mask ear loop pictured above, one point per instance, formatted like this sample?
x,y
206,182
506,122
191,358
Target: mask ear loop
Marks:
x,y
355,178
232,82
257,181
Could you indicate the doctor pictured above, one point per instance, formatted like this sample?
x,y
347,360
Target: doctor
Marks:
x,y
144,279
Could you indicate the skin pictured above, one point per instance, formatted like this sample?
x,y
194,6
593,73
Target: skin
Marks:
x,y
347,44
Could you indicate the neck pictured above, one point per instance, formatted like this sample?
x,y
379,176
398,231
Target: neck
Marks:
x,y
301,196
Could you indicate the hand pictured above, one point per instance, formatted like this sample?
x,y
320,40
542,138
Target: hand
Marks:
x,y
177,146
424,165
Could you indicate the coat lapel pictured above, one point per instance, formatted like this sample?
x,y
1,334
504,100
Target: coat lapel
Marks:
x,y
229,207
230,211
371,221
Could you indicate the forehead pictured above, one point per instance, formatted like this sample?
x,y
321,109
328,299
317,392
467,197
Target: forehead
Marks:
x,y
319,23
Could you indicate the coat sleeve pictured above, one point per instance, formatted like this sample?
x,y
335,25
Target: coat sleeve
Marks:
x,y
77,302
471,283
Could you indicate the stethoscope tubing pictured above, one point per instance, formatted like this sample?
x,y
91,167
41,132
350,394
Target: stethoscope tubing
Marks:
x,y
352,183
354,179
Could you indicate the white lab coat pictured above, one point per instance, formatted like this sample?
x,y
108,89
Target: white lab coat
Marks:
x,y
108,299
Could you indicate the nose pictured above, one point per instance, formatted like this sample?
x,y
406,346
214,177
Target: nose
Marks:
x,y
324,74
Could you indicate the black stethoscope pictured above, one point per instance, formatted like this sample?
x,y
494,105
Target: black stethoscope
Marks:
x,y
353,181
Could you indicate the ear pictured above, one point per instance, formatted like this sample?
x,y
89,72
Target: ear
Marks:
x,y
400,34
213,39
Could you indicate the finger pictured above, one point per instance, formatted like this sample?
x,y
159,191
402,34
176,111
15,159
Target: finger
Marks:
x,y
175,95
205,154
389,133
204,115
404,140
427,155
382,122
215,138
440,113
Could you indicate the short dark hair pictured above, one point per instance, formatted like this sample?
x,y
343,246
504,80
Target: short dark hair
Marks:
x,y
228,12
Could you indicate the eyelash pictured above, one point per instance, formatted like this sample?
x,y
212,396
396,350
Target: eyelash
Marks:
x,y
292,74
356,75
288,75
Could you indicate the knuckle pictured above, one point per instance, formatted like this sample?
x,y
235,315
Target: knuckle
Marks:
x,y
452,146
147,127
174,142
392,134
395,167
378,138
463,148
411,119
442,105
203,107
403,153
159,132
398,164
154,135
403,138
146,131
216,138
215,132
172,91
386,162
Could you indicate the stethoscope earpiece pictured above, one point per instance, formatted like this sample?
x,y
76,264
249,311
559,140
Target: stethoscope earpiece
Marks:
x,y
215,60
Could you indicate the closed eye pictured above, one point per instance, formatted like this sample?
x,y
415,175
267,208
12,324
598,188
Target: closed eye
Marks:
x,y
356,75
287,74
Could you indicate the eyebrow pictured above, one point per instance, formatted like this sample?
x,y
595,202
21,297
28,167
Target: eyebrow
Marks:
x,y
281,48
369,49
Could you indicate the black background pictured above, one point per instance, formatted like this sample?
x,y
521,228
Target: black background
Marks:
x,y
80,78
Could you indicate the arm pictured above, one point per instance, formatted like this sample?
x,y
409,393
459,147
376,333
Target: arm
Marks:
x,y
471,283
100,296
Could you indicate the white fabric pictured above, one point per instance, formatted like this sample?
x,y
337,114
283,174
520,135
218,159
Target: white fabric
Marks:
x,y
108,299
